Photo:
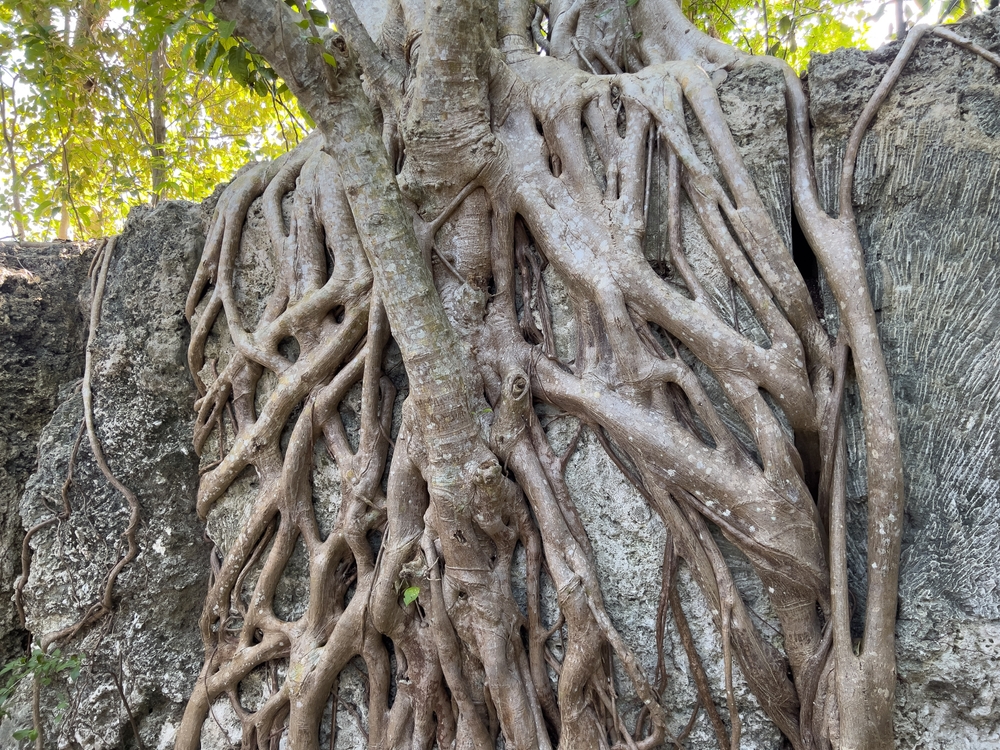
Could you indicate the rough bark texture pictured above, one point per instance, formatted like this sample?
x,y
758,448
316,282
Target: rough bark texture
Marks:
x,y
924,242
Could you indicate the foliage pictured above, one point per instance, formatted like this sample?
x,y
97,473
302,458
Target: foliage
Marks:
x,y
785,28
41,666
410,594
79,89
794,29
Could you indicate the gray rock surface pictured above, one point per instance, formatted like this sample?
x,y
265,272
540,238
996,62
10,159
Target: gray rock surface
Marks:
x,y
42,334
926,195
150,646
926,189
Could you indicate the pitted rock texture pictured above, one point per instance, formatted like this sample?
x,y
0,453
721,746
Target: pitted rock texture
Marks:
x,y
143,394
42,333
927,197
926,189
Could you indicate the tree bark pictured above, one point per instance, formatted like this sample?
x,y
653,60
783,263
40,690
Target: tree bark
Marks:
x,y
461,165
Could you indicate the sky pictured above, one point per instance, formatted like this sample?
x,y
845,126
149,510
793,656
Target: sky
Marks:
x,y
882,31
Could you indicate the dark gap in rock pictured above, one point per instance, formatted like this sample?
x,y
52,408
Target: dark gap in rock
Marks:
x,y
375,541
289,348
805,261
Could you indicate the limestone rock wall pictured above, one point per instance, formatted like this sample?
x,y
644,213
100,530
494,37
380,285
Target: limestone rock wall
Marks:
x,y
42,334
140,663
927,197
926,190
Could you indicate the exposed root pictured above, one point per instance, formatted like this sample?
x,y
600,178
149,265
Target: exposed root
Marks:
x,y
98,609
55,518
957,39
539,168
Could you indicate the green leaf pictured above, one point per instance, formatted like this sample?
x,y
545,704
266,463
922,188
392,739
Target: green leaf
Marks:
x,y
176,26
200,52
226,28
303,24
410,594
111,70
26,734
330,59
319,17
213,55
11,666
238,68
186,51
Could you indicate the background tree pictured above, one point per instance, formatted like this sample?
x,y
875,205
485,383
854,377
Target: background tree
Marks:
x,y
102,107
84,87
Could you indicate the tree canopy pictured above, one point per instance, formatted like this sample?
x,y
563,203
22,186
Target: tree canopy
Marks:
x,y
108,103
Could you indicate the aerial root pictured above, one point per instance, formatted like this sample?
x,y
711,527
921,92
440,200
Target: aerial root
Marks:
x,y
56,517
105,603
239,624
727,596
945,33
702,685
463,658
913,37
845,204
97,610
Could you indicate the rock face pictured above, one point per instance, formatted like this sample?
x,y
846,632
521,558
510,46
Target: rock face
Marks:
x,y
140,663
42,334
926,194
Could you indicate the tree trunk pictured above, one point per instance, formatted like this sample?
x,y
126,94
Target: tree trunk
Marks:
x,y
9,126
158,120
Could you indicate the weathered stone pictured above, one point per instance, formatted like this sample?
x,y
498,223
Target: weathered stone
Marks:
x,y
41,347
926,189
142,409
927,196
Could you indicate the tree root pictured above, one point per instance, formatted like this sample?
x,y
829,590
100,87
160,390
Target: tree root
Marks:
x,y
97,610
539,166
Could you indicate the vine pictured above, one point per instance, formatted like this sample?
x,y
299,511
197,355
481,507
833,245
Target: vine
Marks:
x,y
43,662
